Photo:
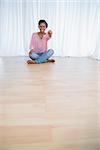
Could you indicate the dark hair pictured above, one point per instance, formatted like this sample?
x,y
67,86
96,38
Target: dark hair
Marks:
x,y
43,21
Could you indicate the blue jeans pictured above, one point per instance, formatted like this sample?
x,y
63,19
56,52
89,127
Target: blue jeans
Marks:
x,y
41,57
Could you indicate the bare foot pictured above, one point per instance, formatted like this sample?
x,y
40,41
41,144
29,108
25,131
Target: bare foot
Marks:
x,y
31,62
51,60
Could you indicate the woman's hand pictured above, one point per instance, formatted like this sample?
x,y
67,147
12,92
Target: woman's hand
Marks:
x,y
50,33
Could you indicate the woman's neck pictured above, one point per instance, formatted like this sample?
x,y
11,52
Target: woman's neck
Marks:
x,y
40,34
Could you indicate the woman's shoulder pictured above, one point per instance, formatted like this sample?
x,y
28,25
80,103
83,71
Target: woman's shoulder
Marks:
x,y
34,33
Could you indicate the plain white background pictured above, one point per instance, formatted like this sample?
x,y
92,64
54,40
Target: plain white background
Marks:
x,y
75,25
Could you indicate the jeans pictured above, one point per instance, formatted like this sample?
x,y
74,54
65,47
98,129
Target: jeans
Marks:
x,y
41,57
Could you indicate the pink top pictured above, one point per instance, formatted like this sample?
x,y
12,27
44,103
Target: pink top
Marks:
x,y
38,44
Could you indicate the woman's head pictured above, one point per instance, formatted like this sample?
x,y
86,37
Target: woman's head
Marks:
x,y
42,25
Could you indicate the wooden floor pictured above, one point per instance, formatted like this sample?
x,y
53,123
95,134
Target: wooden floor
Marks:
x,y
50,106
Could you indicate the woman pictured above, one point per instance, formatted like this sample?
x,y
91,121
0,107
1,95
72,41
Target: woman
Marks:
x,y
38,45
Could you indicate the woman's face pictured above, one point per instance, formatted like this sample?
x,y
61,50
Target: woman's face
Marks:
x,y
42,27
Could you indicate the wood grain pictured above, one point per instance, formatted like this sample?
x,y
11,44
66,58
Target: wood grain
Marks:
x,y
49,106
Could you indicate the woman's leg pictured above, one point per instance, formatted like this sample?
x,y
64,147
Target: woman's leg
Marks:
x,y
33,56
45,56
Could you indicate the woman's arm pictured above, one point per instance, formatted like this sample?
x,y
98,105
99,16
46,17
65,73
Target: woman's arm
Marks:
x,y
30,52
31,46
